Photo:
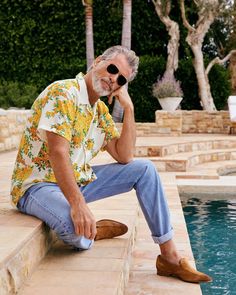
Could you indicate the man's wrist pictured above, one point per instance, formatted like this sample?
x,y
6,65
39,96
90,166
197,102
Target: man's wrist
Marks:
x,y
129,108
76,200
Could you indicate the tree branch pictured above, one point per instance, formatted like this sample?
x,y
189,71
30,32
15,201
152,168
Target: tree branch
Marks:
x,y
168,7
158,7
159,10
183,14
87,2
219,61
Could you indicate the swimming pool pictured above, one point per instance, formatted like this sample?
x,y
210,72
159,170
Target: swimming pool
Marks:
x,y
212,230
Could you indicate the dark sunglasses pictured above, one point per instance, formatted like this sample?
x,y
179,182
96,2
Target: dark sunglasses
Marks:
x,y
112,69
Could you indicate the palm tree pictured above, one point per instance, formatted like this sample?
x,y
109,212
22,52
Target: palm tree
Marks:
x,y
118,111
89,31
126,26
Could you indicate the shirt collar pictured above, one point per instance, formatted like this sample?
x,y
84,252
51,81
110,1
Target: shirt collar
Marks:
x,y
83,89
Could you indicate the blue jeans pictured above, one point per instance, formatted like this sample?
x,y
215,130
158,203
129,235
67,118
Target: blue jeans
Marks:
x,y
46,201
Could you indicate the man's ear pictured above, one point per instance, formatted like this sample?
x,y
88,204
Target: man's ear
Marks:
x,y
97,60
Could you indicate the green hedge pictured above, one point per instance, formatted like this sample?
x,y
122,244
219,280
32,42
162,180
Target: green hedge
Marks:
x,y
220,86
41,40
44,40
16,94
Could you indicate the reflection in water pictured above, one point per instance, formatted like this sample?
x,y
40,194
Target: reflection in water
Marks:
x,y
212,230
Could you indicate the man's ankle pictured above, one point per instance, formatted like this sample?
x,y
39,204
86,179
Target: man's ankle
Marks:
x,y
172,258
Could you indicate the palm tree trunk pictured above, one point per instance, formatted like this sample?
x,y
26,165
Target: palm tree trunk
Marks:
x,y
126,27
117,113
89,32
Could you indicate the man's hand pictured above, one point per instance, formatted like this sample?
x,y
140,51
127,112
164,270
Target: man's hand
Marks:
x,y
83,220
123,97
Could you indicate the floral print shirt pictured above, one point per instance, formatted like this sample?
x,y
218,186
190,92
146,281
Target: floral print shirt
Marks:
x,y
63,108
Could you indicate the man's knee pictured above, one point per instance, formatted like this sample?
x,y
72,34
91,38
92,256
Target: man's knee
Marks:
x,y
144,164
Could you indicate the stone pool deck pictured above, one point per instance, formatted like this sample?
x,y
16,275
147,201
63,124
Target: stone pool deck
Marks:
x,y
33,261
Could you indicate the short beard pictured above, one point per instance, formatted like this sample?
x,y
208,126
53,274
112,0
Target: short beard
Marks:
x,y
98,87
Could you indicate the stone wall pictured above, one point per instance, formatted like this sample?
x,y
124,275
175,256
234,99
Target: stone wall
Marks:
x,y
12,123
169,122
205,122
144,129
180,122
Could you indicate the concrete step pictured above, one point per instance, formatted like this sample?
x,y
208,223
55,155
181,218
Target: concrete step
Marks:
x,y
24,242
184,164
24,239
222,188
161,147
184,161
208,170
104,269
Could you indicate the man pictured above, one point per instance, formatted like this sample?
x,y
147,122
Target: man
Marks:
x,y
53,181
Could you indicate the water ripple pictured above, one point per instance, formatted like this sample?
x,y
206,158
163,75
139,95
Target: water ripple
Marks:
x,y
212,230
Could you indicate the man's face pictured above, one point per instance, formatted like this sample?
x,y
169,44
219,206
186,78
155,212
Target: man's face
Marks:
x,y
107,75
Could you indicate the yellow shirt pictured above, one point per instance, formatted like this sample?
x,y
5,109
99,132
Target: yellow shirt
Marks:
x,y
63,108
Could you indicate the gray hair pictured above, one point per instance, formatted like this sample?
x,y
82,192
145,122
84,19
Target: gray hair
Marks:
x,y
131,57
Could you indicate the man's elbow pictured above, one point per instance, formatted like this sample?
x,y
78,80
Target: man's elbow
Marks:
x,y
126,160
58,152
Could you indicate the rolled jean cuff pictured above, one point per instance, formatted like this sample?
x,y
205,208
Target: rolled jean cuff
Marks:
x,y
78,242
164,238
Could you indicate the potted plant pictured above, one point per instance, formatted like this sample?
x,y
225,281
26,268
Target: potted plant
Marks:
x,y
168,92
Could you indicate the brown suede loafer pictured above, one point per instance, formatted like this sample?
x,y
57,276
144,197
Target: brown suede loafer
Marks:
x,y
108,229
183,271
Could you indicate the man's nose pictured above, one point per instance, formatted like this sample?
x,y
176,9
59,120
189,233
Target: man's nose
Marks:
x,y
113,77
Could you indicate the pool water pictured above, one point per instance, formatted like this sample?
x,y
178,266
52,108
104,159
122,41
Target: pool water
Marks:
x,y
212,231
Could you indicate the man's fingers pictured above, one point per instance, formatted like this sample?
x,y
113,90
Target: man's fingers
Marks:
x,y
81,229
93,231
87,230
110,99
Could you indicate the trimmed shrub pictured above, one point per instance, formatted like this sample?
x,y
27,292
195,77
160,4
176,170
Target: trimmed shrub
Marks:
x,y
140,88
15,94
186,75
219,82
220,86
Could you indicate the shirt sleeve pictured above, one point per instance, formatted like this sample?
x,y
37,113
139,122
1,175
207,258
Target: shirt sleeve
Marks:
x,y
106,123
57,113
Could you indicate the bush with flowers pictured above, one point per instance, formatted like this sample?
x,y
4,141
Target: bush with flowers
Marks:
x,y
167,86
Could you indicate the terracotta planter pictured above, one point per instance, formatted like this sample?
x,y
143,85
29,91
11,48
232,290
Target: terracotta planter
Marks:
x,y
170,103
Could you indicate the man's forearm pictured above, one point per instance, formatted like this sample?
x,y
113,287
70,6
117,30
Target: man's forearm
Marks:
x,y
63,172
126,142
